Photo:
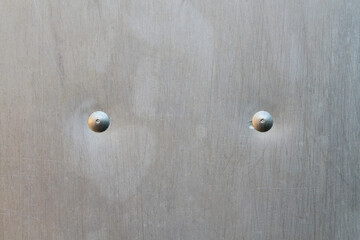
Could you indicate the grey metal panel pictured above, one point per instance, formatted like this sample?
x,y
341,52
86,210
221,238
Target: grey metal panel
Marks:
x,y
180,81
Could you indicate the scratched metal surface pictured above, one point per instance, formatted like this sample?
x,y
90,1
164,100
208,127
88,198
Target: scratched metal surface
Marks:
x,y
180,80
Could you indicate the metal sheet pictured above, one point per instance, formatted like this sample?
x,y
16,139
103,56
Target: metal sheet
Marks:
x,y
180,81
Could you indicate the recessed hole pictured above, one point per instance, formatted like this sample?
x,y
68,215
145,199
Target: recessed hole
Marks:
x,y
97,121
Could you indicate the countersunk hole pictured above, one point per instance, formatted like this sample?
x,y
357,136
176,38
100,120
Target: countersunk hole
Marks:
x,y
97,121
262,120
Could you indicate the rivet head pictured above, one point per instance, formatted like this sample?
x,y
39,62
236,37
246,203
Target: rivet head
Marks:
x,y
262,121
99,121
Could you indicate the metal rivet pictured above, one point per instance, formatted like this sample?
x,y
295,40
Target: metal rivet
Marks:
x,y
262,121
99,121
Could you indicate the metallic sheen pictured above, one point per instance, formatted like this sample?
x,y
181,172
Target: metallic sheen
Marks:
x,y
262,121
99,121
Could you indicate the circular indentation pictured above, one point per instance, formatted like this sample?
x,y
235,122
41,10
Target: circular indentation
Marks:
x,y
262,121
99,121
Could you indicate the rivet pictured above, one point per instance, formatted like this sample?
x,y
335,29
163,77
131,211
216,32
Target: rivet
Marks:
x,y
98,121
262,121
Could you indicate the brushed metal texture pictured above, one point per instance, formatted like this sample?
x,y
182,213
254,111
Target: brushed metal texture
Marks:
x,y
180,81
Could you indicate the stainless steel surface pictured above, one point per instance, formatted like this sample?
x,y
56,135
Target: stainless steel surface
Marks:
x,y
180,80
262,121
98,121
